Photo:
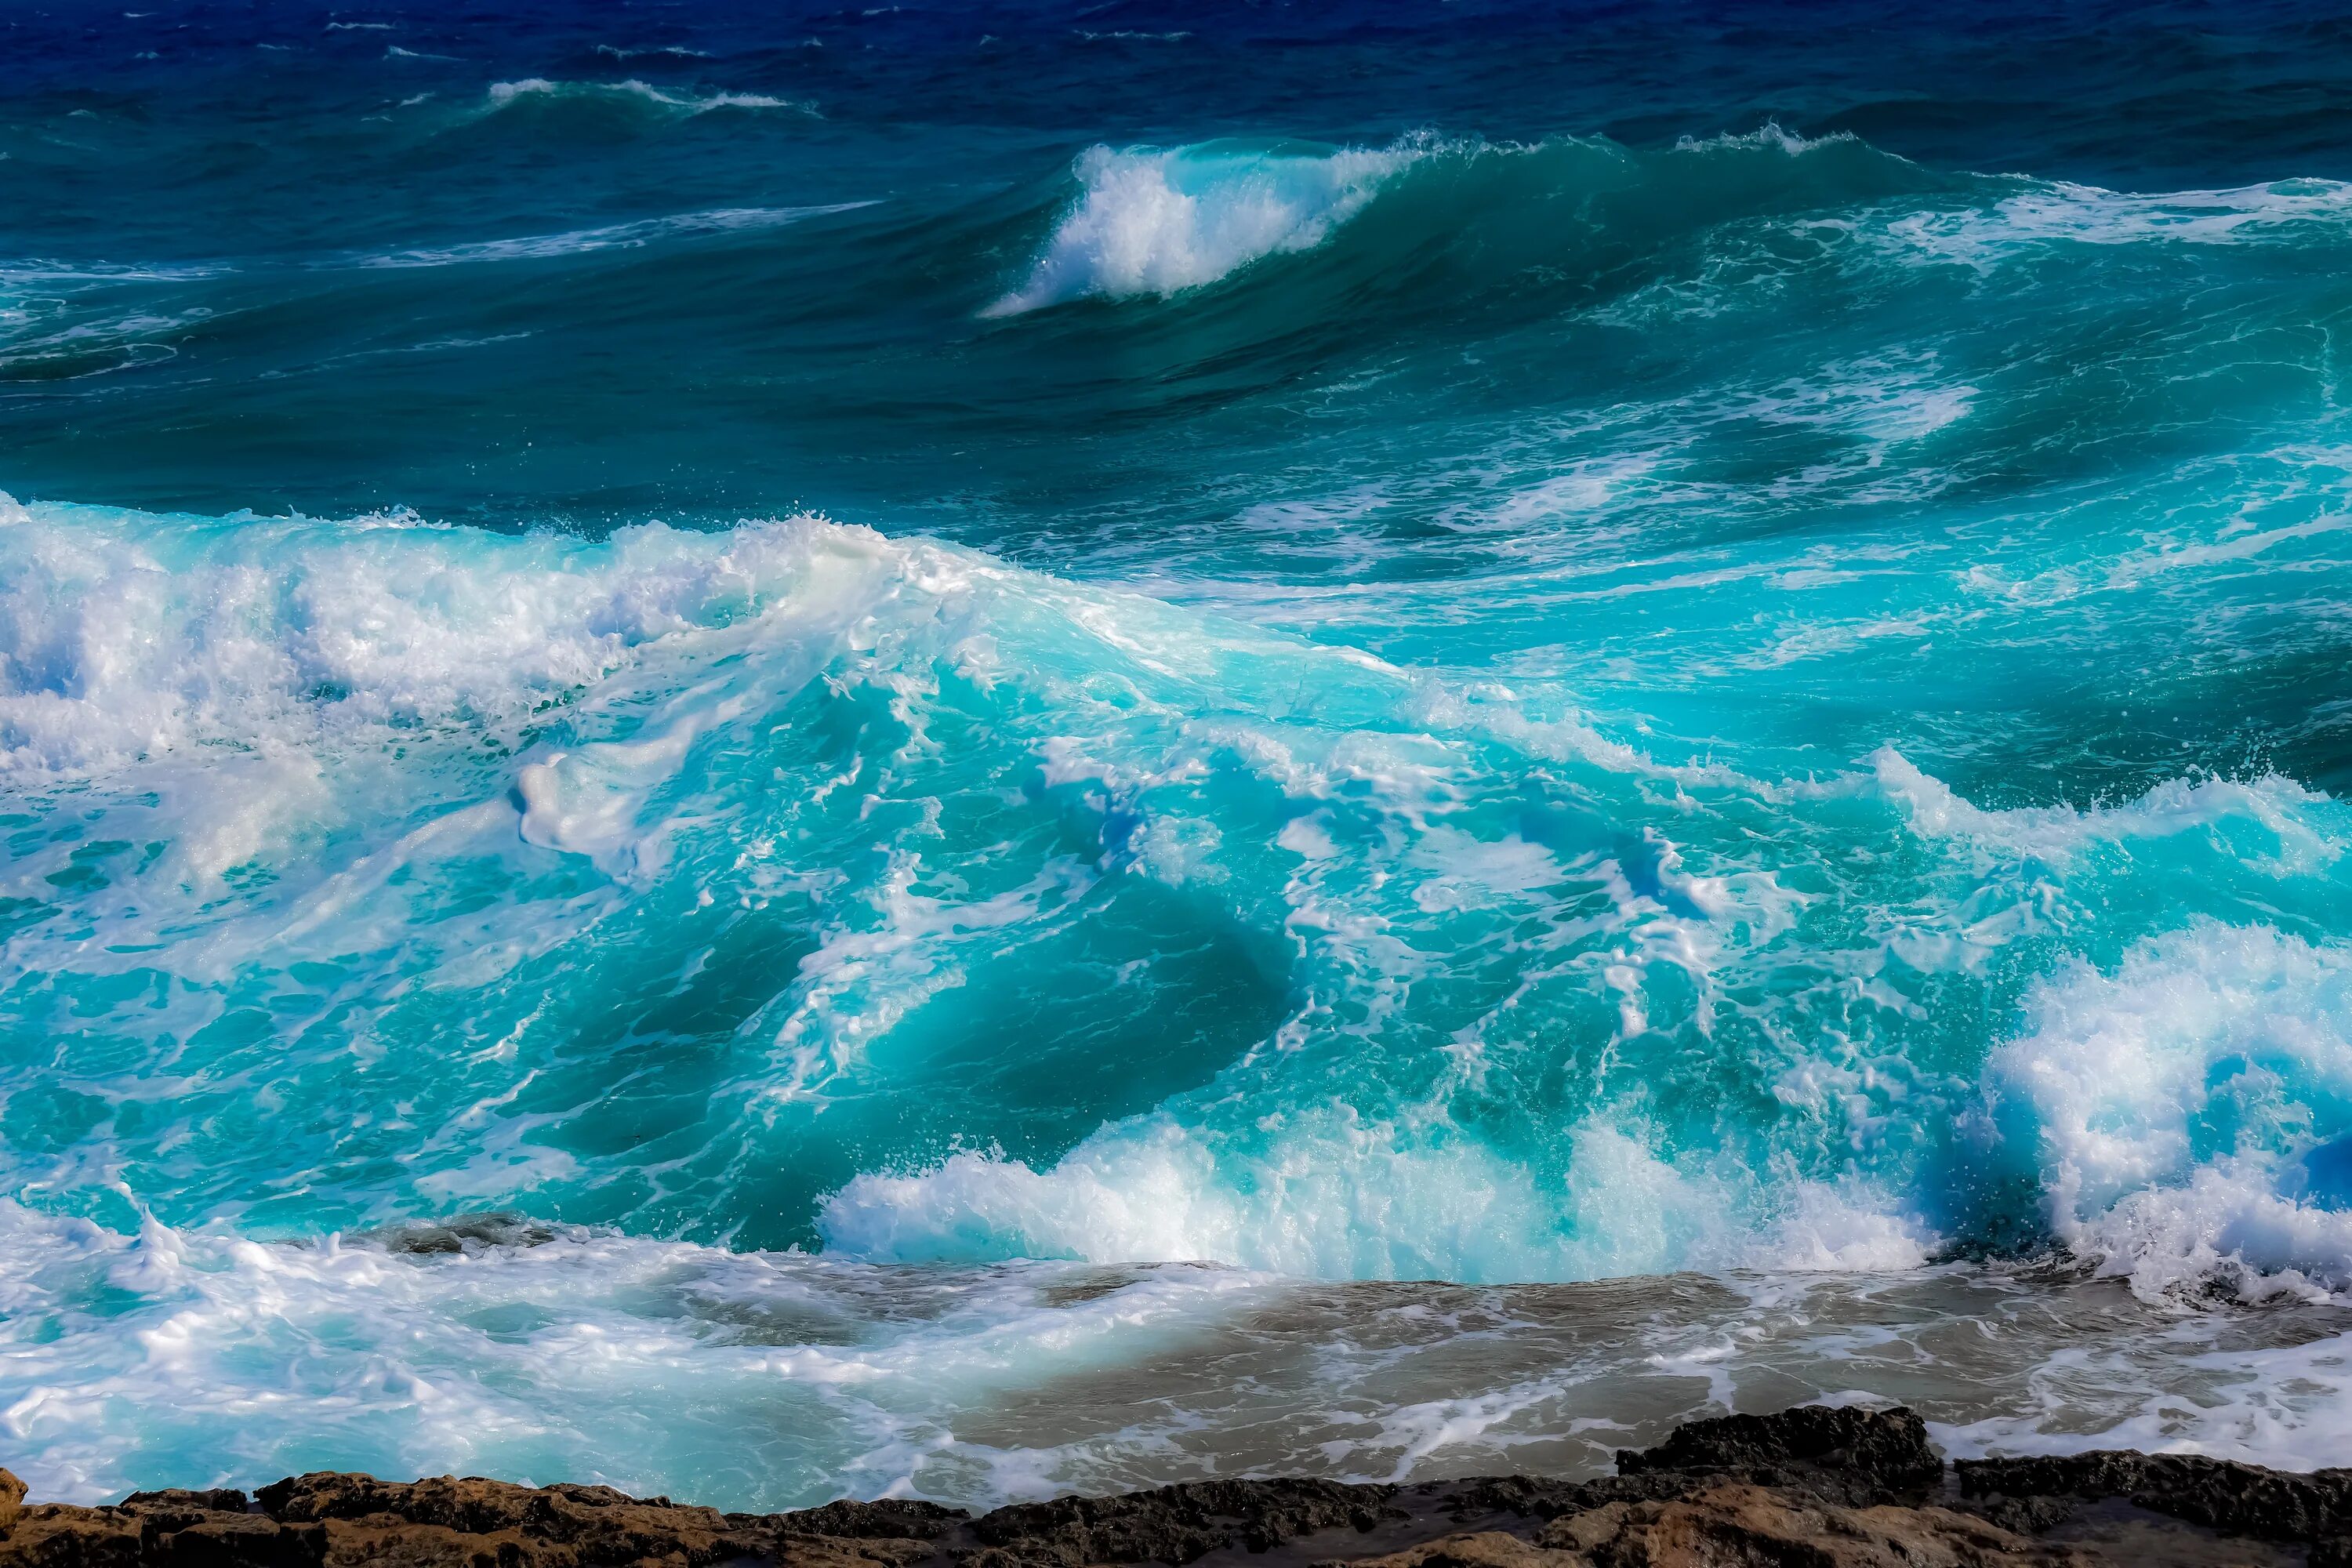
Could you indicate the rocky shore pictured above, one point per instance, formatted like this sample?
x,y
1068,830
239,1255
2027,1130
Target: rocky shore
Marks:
x,y
1810,1488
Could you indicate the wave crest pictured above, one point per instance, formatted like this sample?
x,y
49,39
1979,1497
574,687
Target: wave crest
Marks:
x,y
1158,221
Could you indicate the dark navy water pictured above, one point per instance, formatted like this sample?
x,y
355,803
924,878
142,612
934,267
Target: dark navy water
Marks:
x,y
986,709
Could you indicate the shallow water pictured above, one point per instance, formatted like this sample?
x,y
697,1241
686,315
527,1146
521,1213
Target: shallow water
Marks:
x,y
764,1381
987,689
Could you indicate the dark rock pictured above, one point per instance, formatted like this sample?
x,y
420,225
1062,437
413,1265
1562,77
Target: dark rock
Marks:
x,y
54,1535
2241,1500
1174,1524
886,1518
221,1499
1854,1457
225,1540
461,1232
12,1500
2026,1515
1529,1497
1540,1497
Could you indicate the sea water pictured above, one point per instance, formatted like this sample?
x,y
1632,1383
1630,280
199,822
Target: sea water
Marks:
x,y
980,751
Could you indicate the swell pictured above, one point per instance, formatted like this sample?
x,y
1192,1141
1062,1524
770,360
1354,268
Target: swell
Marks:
x,y
1458,218
1793,315
1452,219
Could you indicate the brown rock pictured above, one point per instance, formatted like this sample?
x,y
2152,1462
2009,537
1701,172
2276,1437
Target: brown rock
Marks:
x,y
597,1527
791,1551
1807,1488
1735,1522
218,1500
1472,1548
1172,1524
385,1542
54,1535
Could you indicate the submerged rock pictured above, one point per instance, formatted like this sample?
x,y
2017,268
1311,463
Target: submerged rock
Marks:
x,y
1810,1487
2241,1499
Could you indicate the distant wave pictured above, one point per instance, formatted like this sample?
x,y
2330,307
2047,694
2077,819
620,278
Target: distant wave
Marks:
x,y
503,94
614,236
674,51
1153,222
1157,223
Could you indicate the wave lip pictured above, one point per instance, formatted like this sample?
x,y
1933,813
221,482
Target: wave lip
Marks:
x,y
1160,221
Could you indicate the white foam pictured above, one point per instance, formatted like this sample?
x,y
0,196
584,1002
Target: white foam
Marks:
x,y
1326,1192
2040,214
592,1357
125,636
2170,1102
221,1360
2058,833
1158,221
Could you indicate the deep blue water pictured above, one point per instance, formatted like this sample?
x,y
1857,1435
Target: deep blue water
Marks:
x,y
893,672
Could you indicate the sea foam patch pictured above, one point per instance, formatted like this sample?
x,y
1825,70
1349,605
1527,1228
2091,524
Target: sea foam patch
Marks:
x,y
2191,1110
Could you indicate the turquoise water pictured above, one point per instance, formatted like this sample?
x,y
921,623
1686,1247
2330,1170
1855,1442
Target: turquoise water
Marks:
x,y
868,665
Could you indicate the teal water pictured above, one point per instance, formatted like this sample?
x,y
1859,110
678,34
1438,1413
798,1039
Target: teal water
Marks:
x,y
900,675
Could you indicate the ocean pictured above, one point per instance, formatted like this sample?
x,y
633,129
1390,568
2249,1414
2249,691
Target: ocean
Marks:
x,y
975,751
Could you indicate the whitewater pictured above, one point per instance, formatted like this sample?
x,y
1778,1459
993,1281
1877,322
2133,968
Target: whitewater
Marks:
x,y
841,806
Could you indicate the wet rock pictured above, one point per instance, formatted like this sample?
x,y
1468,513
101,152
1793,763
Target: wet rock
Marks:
x,y
1174,1524
1542,1498
463,1231
1529,1497
1857,1457
1737,1523
888,1519
12,1500
2026,1515
2242,1500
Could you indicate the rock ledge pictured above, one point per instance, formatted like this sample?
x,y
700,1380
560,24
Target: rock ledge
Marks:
x,y
1815,1487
